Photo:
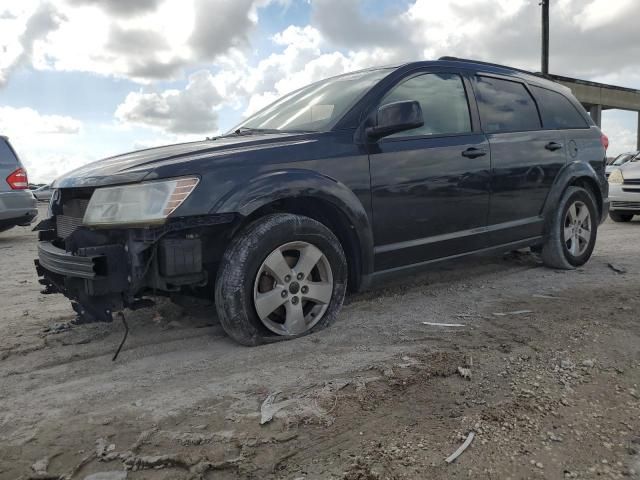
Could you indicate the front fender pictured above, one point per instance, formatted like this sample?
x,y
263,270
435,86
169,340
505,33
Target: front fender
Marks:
x,y
568,175
286,184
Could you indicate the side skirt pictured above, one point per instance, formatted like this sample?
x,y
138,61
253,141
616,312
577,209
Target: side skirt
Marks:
x,y
378,278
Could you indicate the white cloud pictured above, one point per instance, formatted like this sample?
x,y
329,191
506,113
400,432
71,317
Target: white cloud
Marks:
x,y
121,7
143,40
39,139
191,110
622,138
26,122
20,44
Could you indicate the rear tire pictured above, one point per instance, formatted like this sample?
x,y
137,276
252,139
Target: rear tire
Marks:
x,y
262,271
621,217
572,230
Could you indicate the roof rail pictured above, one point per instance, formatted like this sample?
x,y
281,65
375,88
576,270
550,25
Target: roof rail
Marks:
x,y
456,59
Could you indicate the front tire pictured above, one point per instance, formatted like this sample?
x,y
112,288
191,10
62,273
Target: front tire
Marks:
x,y
572,232
282,277
621,217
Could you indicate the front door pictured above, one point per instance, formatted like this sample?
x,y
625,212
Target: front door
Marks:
x,y
430,185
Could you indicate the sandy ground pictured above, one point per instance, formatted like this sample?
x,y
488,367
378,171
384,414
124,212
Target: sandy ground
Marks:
x,y
553,392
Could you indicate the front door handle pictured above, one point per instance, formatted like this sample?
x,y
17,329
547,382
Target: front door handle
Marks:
x,y
473,152
553,146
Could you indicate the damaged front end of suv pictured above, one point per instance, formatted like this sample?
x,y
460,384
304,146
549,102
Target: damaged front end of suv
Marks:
x,y
107,247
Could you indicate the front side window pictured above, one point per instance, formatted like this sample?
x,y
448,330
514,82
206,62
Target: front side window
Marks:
x,y
505,106
443,101
557,111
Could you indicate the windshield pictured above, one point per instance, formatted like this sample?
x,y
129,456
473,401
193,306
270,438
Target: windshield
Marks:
x,y
316,106
620,159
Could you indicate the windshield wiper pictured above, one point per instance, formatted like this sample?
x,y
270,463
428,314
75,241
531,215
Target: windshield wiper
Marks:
x,y
249,131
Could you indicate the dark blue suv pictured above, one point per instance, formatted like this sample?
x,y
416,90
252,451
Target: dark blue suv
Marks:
x,y
339,184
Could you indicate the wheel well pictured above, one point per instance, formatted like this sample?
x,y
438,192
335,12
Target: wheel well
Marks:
x,y
590,184
331,217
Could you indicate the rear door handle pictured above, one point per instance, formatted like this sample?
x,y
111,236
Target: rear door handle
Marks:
x,y
553,146
473,152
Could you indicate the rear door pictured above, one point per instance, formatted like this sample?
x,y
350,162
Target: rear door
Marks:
x,y
581,136
430,185
525,159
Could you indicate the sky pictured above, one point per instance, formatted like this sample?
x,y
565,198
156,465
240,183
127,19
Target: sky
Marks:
x,y
81,80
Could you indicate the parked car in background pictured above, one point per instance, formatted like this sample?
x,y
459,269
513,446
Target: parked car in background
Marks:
x,y
621,160
624,192
43,194
345,182
17,203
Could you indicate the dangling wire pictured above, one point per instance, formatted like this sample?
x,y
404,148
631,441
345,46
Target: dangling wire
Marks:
x,y
126,332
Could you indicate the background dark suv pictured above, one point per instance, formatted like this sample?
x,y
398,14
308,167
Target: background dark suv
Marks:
x,y
343,182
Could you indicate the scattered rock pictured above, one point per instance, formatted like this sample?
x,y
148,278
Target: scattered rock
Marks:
x,y
553,437
566,364
174,324
41,466
588,363
359,470
57,328
101,447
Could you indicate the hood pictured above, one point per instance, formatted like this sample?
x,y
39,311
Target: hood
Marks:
x,y
135,166
631,170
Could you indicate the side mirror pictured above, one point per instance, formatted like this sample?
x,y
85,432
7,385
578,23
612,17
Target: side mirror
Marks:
x,y
396,117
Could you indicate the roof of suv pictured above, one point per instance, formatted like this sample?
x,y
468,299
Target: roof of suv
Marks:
x,y
487,67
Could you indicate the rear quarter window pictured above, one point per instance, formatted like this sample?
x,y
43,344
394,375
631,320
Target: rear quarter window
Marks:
x,y
505,106
557,111
8,158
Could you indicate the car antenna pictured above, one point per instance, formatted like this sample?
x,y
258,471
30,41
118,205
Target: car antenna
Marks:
x,y
126,333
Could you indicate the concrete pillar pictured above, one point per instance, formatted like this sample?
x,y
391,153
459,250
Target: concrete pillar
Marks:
x,y
596,113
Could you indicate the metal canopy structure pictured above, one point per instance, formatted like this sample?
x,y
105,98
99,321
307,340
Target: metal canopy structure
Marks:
x,y
593,95
599,96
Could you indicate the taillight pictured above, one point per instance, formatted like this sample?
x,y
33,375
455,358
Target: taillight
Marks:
x,y
604,140
18,179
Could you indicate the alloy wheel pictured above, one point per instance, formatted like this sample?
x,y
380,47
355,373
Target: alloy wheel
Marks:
x,y
577,229
293,288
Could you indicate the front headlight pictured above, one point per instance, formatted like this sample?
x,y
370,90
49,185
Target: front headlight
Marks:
x,y
616,177
138,204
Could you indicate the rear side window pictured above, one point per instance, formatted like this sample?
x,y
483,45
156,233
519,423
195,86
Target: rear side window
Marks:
x,y
443,101
8,159
557,111
505,106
